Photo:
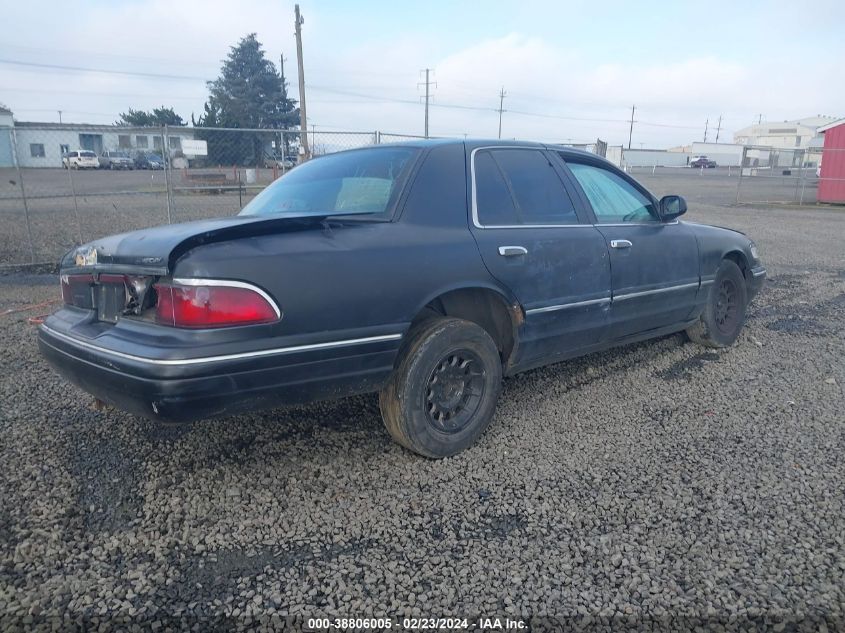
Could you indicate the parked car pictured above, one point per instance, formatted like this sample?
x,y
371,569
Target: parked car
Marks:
x,y
425,271
148,160
703,161
282,162
80,159
115,159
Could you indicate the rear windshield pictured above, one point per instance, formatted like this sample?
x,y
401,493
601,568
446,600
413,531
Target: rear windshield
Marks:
x,y
118,154
363,181
88,154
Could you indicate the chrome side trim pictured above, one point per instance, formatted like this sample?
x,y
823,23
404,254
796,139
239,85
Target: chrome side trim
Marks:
x,y
633,295
707,282
198,281
213,359
566,306
759,273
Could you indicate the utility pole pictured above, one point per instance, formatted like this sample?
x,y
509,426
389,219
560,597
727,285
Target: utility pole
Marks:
x,y
60,116
759,119
427,96
718,128
631,129
303,119
502,95
706,123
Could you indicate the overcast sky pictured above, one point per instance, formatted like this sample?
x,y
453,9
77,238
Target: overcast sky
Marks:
x,y
571,70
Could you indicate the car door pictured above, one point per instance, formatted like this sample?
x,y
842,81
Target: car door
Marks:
x,y
654,264
526,222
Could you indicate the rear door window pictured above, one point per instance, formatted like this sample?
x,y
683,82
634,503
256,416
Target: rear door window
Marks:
x,y
519,186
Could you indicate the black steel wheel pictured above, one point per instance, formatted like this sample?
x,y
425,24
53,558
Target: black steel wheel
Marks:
x,y
454,391
443,392
726,310
724,314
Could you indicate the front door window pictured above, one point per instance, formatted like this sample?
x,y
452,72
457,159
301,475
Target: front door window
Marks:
x,y
614,200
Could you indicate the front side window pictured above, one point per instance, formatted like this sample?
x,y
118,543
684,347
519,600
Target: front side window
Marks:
x,y
364,181
614,199
519,187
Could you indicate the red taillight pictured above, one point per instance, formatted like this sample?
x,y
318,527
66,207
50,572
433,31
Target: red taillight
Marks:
x,y
76,289
209,306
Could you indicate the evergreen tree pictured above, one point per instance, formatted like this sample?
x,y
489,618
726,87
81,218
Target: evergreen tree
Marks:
x,y
249,93
157,117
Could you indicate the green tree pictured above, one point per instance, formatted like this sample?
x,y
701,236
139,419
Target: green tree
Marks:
x,y
249,93
156,117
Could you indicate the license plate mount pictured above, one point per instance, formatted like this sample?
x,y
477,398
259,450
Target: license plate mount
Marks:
x,y
111,301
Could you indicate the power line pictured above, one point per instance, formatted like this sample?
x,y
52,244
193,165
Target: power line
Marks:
x,y
631,129
371,97
131,73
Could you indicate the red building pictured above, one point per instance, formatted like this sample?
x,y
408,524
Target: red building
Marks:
x,y
832,183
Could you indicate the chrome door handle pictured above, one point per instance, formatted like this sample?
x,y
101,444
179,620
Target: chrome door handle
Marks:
x,y
620,244
512,251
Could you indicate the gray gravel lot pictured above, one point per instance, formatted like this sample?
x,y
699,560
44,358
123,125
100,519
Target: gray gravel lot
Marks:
x,y
656,485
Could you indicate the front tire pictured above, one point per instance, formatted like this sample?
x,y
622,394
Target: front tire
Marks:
x,y
724,314
443,393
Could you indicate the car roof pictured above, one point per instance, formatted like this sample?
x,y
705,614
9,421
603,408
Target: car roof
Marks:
x,y
476,143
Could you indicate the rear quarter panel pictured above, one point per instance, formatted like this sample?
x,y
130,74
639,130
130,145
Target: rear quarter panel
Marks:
x,y
367,278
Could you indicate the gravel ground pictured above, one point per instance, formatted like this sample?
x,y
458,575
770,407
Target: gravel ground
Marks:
x,y
656,486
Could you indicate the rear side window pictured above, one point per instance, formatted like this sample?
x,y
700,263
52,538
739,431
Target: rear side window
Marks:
x,y
519,187
366,181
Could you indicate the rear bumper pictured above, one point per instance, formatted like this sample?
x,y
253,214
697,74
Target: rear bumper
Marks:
x,y
199,387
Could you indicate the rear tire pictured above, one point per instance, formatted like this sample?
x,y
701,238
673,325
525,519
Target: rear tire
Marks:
x,y
724,314
442,395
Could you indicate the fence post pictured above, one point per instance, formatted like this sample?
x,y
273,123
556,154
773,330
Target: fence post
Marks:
x,y
75,203
23,195
168,176
741,169
378,137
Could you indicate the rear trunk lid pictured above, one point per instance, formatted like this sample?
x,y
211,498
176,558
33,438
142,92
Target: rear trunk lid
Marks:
x,y
155,251
113,276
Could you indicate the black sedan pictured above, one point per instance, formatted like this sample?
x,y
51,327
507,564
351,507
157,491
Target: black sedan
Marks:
x,y
425,271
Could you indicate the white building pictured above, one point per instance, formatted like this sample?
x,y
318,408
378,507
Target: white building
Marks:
x,y
786,134
6,122
42,144
725,154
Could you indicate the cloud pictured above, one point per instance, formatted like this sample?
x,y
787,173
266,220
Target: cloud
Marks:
x,y
558,89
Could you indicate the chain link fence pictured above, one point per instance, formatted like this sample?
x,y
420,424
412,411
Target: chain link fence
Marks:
x,y
791,176
62,185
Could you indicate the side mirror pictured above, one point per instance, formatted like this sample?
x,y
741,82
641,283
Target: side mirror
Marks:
x,y
671,207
